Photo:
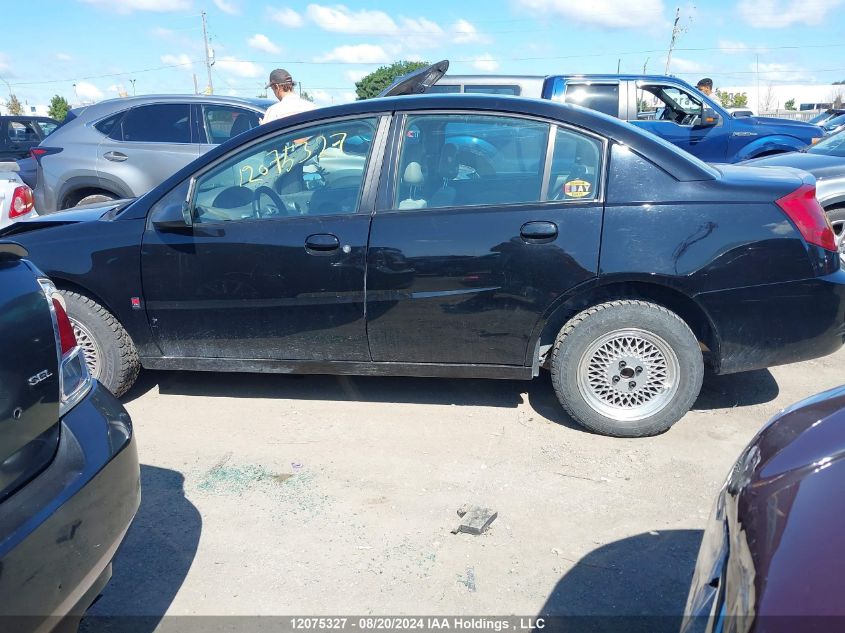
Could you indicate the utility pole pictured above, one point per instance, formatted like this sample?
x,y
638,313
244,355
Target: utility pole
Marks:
x,y
618,64
196,87
132,81
645,65
758,82
208,61
676,30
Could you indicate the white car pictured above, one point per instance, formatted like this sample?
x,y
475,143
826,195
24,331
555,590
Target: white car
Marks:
x,y
16,202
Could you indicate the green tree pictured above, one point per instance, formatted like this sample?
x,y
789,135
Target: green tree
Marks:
x,y
790,105
732,99
307,96
371,85
59,108
14,106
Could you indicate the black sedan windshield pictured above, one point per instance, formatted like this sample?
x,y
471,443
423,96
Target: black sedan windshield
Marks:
x,y
831,146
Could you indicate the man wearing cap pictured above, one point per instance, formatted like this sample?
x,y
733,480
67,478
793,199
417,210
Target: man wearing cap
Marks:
x,y
289,102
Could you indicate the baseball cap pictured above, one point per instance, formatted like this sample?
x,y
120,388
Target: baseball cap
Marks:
x,y
279,76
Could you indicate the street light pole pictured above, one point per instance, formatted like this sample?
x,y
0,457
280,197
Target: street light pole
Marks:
x,y
132,81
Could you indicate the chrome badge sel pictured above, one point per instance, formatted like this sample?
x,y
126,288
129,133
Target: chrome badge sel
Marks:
x,y
41,376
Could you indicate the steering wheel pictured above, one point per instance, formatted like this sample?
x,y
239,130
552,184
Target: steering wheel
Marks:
x,y
274,198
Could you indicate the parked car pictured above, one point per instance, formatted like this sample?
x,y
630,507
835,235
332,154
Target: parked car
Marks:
x,y
69,474
122,148
665,106
826,161
15,197
770,556
19,134
834,124
822,117
460,236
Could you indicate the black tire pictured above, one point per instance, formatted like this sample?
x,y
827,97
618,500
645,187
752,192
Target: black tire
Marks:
x,y
109,350
593,399
837,218
95,198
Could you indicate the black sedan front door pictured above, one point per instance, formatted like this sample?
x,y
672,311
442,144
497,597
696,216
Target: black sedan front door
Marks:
x,y
273,266
491,218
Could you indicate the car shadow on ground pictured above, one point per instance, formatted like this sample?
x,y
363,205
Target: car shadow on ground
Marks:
x,y
637,584
153,560
736,390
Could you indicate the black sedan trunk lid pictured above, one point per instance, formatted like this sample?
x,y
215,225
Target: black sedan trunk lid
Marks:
x,y
29,374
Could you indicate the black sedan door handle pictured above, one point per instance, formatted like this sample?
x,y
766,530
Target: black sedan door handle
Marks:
x,y
116,157
535,232
320,243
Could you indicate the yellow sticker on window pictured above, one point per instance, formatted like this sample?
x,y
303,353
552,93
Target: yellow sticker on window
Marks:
x,y
576,189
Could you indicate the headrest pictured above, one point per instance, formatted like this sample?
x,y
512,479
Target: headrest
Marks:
x,y
413,174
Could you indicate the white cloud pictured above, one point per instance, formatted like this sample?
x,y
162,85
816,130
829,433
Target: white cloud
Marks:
x,y
778,14
732,48
485,63
5,66
88,92
613,14
414,32
684,66
63,57
118,89
262,43
464,32
227,7
128,6
348,97
357,54
178,60
356,74
238,67
340,19
286,17
780,72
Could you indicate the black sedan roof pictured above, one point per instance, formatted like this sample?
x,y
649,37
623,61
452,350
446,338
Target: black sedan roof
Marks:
x,y
679,164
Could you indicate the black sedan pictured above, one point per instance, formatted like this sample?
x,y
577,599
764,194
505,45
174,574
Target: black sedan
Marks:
x,y
69,474
457,235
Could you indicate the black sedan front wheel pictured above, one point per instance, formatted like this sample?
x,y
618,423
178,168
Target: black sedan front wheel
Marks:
x,y
109,351
627,368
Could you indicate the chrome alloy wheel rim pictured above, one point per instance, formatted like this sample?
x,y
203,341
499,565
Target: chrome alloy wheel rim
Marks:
x,y
839,231
90,348
628,374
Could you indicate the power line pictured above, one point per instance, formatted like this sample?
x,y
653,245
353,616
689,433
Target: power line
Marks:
x,y
467,61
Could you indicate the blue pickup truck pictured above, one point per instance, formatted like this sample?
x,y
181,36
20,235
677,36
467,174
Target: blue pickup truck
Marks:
x,y
665,106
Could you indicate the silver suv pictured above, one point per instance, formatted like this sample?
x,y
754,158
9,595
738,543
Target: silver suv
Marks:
x,y
122,148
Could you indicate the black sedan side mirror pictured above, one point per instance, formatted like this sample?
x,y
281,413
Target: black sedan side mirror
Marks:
x,y
175,216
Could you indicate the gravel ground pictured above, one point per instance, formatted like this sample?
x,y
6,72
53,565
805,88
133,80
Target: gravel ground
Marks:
x,y
270,494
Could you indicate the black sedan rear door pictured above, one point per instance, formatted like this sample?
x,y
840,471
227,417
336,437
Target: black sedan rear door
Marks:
x,y
487,219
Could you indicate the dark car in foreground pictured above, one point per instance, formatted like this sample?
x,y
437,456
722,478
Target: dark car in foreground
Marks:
x,y
459,236
771,557
69,475
122,148
826,162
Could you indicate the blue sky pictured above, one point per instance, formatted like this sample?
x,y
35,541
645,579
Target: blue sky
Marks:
x,y
100,45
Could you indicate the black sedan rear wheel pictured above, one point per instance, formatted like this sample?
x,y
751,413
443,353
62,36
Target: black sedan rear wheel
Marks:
x,y
627,368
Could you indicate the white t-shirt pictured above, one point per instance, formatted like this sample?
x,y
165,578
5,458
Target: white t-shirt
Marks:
x,y
290,104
